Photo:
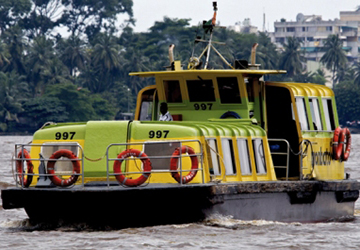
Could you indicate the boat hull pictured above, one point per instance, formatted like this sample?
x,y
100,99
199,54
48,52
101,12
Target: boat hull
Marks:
x,y
290,201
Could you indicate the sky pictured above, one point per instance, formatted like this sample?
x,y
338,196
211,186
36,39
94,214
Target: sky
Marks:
x,y
146,12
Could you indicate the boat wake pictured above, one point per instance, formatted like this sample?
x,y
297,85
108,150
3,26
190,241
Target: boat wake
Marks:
x,y
15,224
27,226
229,222
4,185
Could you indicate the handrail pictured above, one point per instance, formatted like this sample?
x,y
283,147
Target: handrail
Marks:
x,y
287,155
181,142
41,159
81,157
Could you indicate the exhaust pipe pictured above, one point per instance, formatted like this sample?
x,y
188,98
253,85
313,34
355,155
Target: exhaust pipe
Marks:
x,y
253,53
171,53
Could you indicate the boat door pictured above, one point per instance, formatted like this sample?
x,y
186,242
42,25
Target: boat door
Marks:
x,y
281,124
147,104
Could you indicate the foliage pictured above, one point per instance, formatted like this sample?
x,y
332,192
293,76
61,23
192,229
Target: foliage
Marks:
x,y
38,111
47,77
347,96
292,58
334,57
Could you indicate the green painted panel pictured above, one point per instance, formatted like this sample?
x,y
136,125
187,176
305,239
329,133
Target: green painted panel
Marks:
x,y
61,132
99,135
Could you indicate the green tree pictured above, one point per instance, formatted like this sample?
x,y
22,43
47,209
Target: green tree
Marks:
x,y
347,95
80,104
334,56
106,62
4,55
292,58
39,110
73,53
13,90
267,55
319,77
42,18
40,56
12,11
77,102
91,16
345,73
356,68
16,44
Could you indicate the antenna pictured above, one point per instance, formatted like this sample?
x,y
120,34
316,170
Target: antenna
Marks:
x,y
208,26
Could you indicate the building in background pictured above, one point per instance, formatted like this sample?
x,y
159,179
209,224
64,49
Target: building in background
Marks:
x,y
312,31
244,27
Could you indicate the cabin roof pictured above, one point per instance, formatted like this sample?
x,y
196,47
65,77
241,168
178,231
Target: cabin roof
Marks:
x,y
305,89
212,72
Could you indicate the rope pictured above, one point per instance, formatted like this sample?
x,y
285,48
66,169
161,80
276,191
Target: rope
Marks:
x,y
94,160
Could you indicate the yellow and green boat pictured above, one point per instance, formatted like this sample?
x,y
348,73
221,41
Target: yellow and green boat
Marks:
x,y
236,146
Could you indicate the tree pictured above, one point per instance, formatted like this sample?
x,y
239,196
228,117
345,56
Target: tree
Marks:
x,y
91,16
334,56
267,55
347,96
41,53
106,61
39,110
73,53
11,12
79,103
292,58
16,44
4,55
319,77
42,18
356,68
76,101
13,90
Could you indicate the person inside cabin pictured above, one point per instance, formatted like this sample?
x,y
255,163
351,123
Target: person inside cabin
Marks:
x,y
165,115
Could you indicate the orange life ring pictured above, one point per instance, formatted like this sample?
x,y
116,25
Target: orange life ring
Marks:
x,y
132,182
346,134
51,168
24,181
174,164
337,147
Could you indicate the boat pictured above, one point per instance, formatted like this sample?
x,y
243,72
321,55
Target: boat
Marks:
x,y
236,145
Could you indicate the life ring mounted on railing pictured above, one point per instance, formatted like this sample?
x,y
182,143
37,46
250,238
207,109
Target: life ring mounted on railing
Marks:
x,y
346,138
174,164
341,139
337,148
132,182
24,181
51,168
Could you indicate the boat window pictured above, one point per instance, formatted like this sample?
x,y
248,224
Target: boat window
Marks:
x,y
328,113
172,91
215,170
146,107
201,90
243,150
229,90
301,109
249,89
259,156
228,154
61,167
315,113
146,111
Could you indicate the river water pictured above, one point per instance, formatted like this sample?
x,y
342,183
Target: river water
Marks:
x,y
215,233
